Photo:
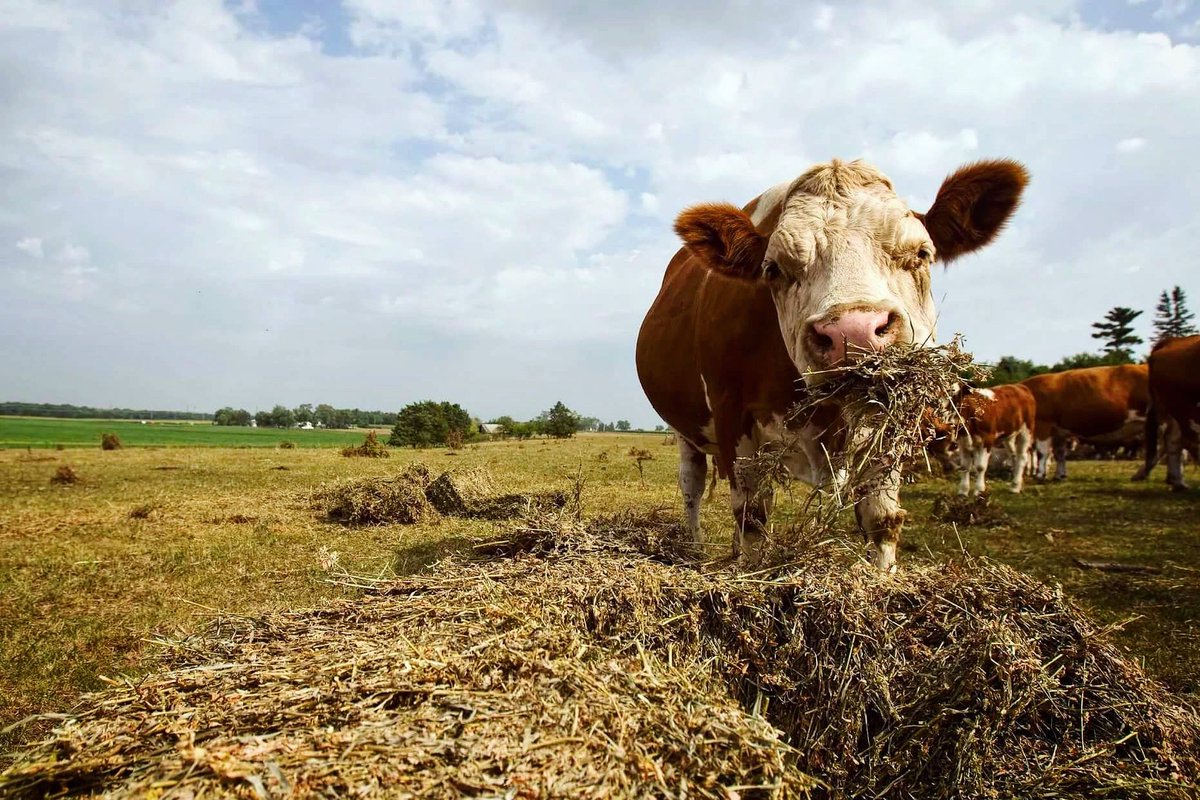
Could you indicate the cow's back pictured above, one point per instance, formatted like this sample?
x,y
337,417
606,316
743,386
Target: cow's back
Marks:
x,y
1089,402
1000,412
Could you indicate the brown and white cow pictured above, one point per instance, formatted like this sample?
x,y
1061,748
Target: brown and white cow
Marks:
x,y
1093,402
999,415
761,298
1174,400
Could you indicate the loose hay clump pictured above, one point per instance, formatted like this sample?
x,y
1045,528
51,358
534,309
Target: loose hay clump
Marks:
x,y
455,492
583,666
978,511
375,500
110,441
370,448
889,401
287,444
65,475
473,493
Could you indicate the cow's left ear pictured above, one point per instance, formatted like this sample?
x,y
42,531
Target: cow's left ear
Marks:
x,y
722,236
973,205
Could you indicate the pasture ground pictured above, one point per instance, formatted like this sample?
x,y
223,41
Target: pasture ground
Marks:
x,y
155,542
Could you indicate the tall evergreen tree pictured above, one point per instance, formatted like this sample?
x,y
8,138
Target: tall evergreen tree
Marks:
x,y
1117,332
1172,317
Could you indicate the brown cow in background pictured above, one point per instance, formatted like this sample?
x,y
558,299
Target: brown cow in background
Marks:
x,y
1088,403
1174,378
999,415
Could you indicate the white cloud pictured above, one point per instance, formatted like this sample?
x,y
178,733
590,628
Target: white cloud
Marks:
x,y
476,191
32,246
1131,145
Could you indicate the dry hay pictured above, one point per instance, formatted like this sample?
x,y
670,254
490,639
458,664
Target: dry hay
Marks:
x,y
370,448
65,475
978,511
110,441
142,511
287,444
889,400
583,666
376,500
456,491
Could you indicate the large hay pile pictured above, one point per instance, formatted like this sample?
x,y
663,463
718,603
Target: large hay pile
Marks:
x,y
583,667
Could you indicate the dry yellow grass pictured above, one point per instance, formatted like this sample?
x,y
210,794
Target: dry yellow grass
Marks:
x,y
158,541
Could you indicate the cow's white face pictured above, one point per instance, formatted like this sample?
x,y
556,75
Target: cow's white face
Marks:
x,y
847,262
849,273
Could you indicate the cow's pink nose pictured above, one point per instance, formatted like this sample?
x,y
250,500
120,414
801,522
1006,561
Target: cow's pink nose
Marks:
x,y
850,334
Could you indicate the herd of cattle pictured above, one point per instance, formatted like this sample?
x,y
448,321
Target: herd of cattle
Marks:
x,y
762,300
1132,407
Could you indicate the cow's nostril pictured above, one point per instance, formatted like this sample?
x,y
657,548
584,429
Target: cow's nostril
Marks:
x,y
886,327
822,341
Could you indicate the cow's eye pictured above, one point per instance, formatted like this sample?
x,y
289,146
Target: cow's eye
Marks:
x,y
771,270
924,254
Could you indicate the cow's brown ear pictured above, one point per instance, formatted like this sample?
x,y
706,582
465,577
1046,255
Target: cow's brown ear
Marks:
x,y
722,236
973,205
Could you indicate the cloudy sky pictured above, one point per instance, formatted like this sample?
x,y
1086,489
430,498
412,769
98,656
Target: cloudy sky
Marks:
x,y
374,202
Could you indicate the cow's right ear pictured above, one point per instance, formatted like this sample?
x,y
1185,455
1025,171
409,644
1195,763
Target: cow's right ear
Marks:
x,y
722,236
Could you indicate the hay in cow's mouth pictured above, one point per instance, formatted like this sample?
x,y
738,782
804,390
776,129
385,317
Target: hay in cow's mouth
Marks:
x,y
592,659
889,400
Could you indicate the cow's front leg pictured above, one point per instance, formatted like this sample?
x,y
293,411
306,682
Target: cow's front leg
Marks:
x,y
693,464
1041,459
966,456
980,467
881,518
752,498
1060,458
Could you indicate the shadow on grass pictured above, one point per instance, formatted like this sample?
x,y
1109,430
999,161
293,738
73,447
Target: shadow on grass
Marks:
x,y
420,556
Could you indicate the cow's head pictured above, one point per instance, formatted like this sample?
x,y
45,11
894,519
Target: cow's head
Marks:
x,y
846,260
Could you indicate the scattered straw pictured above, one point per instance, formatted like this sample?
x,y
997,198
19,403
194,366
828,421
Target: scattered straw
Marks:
x,y
583,667
978,511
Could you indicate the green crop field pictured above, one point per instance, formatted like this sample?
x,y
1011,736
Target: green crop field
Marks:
x,y
41,432
155,542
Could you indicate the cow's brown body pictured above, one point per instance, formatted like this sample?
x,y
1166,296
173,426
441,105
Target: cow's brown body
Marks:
x,y
999,415
1088,403
1174,378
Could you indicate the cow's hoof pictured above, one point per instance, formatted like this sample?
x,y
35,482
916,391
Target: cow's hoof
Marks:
x,y
1178,487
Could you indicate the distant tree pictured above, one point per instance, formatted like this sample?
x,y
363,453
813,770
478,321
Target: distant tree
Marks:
x,y
560,421
282,417
522,430
1011,369
1116,331
659,428
304,413
1172,317
623,425
588,424
241,417
264,420
429,423
1082,360
223,416
324,414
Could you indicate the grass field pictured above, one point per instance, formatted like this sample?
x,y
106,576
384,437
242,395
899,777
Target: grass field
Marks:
x,y
86,586
41,432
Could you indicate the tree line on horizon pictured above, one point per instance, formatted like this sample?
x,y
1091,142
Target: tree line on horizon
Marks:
x,y
1172,319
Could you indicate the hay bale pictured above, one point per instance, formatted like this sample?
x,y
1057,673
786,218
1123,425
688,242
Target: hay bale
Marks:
x,y
65,475
370,448
588,668
110,441
978,511
375,500
457,492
